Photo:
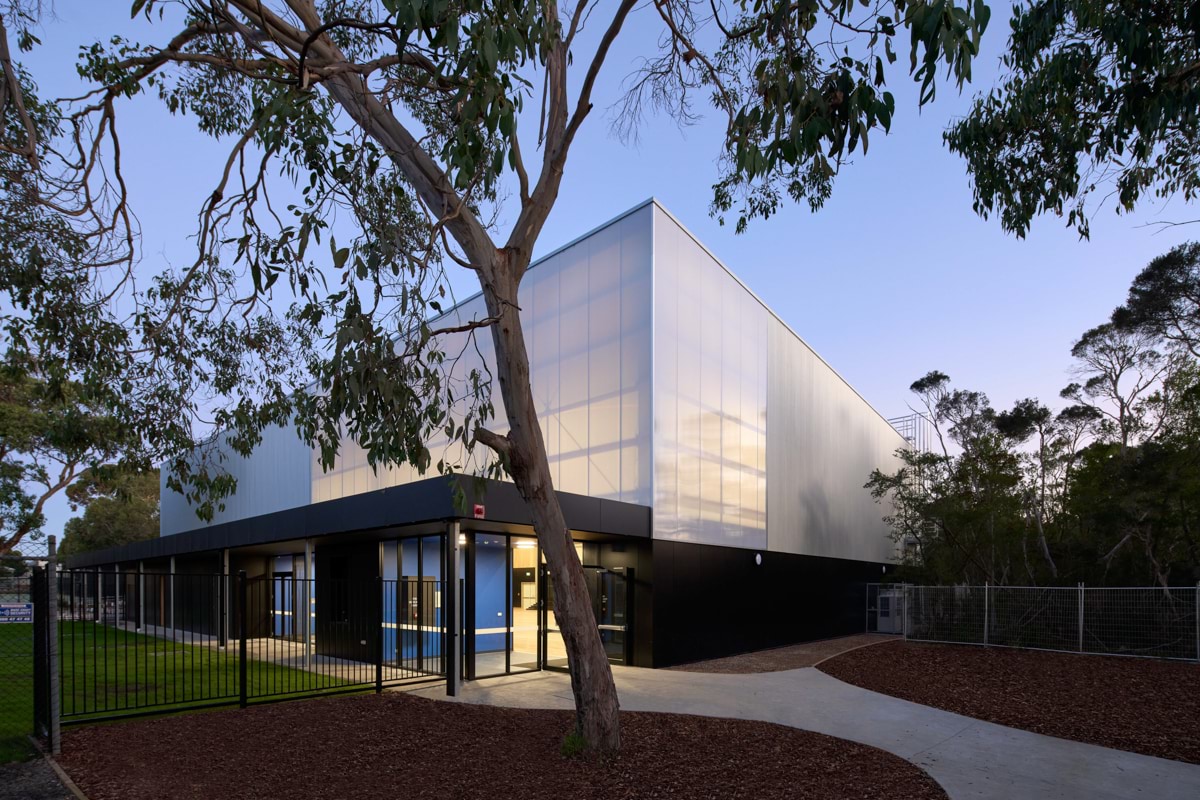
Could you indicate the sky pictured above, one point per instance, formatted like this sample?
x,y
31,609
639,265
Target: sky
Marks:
x,y
894,277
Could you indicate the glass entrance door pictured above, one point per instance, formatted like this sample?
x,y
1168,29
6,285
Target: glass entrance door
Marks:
x,y
610,603
554,649
609,592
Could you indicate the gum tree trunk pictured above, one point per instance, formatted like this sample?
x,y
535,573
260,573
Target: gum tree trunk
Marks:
x,y
500,271
596,705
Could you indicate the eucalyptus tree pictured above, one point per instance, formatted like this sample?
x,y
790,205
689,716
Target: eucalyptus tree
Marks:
x,y
1097,100
1164,299
962,506
1120,369
120,506
400,126
49,437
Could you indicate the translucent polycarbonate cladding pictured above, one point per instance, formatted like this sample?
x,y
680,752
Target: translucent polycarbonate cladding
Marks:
x,y
586,316
824,442
710,398
759,443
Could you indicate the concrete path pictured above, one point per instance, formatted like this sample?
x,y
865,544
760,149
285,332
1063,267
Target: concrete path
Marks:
x,y
968,757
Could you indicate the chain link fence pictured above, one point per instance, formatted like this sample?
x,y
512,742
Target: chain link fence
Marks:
x,y
16,667
1127,621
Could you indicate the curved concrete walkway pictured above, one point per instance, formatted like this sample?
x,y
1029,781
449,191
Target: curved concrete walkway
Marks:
x,y
968,757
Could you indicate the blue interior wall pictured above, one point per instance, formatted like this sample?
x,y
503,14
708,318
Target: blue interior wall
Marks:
x,y
490,597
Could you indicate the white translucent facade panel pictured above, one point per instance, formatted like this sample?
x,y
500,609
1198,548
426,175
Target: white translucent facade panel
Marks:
x,y
710,398
586,314
824,441
276,476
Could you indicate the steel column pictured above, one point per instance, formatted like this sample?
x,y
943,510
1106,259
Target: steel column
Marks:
x,y
171,583
309,585
243,599
453,616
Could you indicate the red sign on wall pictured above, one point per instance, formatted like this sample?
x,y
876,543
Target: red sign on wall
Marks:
x,y
480,511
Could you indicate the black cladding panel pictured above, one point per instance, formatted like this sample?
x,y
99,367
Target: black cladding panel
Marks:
x,y
714,601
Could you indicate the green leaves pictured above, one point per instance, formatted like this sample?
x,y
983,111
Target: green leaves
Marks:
x,y
799,106
1091,89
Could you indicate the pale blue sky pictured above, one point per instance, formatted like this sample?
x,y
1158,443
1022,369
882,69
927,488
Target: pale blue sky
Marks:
x,y
894,277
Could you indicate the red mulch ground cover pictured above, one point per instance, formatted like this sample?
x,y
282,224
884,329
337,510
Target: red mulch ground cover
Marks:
x,y
396,745
1136,704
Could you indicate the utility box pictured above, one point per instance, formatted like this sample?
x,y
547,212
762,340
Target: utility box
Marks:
x,y
889,610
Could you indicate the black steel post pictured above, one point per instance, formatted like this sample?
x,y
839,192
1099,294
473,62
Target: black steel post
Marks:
x,y
378,616
451,620
243,598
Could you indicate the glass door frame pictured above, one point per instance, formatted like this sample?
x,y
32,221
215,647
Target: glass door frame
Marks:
x,y
470,619
545,611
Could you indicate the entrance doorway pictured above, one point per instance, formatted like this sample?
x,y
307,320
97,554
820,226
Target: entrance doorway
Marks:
x,y
509,623
501,608
610,594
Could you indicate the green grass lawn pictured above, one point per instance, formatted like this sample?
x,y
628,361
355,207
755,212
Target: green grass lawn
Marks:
x,y
16,691
107,671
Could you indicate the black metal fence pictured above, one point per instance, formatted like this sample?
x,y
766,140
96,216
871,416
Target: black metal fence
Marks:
x,y
136,643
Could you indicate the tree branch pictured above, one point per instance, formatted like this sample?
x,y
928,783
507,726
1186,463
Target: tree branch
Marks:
x,y
12,93
494,440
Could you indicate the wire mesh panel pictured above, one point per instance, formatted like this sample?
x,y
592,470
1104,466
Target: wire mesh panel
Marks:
x,y
1132,621
1141,622
1033,617
945,613
15,589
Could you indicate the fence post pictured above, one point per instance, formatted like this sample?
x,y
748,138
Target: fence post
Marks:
x,y
141,597
243,598
379,635
987,616
51,595
1081,617
1198,620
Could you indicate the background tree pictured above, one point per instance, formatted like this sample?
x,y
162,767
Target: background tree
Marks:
x,y
12,565
962,506
1120,368
1098,99
50,433
410,120
119,507
1107,489
1165,299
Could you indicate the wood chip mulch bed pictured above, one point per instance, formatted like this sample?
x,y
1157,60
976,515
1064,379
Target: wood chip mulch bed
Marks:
x,y
778,659
1137,704
397,745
